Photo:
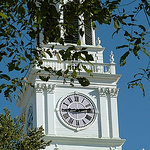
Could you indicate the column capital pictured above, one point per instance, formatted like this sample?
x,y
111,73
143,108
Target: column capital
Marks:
x,y
103,91
113,92
39,87
50,88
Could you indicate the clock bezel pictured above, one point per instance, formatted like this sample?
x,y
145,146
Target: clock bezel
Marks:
x,y
89,98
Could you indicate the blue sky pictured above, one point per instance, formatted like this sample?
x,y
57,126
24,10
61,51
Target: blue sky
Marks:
x,y
134,109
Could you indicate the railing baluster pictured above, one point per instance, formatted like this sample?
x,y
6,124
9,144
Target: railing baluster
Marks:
x,y
96,67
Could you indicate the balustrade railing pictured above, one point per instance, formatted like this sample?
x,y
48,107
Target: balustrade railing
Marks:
x,y
107,68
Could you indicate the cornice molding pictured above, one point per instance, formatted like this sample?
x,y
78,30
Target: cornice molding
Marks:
x,y
86,141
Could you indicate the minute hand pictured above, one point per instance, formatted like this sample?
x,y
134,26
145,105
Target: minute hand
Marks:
x,y
85,110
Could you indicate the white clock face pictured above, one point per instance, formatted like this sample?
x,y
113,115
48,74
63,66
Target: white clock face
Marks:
x,y
77,111
30,118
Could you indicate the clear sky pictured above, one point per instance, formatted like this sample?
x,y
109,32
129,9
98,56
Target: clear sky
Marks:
x,y
133,108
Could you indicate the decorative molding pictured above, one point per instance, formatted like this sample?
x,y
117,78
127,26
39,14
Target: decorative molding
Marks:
x,y
103,91
50,88
39,87
113,92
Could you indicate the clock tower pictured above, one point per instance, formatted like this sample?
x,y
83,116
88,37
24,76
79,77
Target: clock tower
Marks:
x,y
75,117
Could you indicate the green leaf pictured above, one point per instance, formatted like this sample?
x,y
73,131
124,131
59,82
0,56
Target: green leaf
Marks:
x,y
122,46
141,86
4,76
20,34
123,58
87,70
49,53
93,25
145,52
83,81
44,78
66,71
11,66
59,72
79,42
142,27
127,34
74,73
116,23
3,15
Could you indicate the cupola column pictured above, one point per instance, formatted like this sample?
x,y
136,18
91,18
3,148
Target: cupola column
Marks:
x,y
104,117
39,104
114,112
50,109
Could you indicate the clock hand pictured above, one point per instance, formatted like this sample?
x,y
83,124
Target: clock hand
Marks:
x,y
86,110
69,110
78,110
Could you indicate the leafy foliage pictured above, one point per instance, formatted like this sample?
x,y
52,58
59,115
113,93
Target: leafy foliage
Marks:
x,y
12,135
22,21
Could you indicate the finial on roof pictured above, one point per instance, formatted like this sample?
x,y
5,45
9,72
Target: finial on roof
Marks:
x,y
111,57
98,42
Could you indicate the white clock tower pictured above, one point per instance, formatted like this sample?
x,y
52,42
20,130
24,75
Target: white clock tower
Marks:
x,y
77,117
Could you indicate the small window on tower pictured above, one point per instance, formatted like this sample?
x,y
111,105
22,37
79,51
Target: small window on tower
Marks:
x,y
88,31
71,34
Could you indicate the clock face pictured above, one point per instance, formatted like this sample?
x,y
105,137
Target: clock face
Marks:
x,y
77,111
30,118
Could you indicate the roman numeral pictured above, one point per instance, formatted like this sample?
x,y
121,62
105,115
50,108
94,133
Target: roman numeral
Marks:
x,y
70,100
88,117
66,115
77,122
83,121
82,100
65,104
71,120
76,98
88,105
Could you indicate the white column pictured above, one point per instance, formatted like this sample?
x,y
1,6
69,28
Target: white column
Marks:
x,y
39,106
104,117
114,113
50,113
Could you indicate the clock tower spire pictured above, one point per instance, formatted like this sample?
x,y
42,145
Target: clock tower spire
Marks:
x,y
74,117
